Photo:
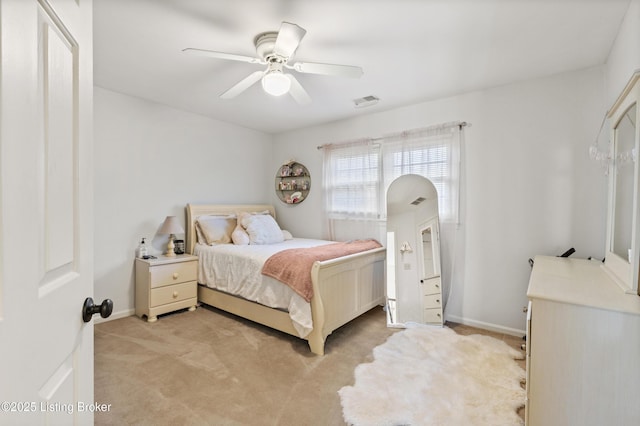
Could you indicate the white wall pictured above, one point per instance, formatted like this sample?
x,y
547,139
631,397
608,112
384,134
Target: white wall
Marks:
x,y
530,185
150,161
624,57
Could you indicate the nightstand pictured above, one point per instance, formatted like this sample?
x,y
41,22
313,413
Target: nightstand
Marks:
x,y
166,284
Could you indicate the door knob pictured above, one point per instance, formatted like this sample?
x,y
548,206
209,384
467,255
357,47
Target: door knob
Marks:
x,y
89,309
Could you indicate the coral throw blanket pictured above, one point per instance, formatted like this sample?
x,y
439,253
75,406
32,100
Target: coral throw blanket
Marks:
x,y
293,266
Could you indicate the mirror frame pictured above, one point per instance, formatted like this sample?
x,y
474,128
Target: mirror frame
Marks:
x,y
405,271
621,270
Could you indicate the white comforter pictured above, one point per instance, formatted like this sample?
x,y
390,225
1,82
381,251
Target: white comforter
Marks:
x,y
236,269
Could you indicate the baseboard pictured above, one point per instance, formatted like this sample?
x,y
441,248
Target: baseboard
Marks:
x,y
453,318
485,325
97,319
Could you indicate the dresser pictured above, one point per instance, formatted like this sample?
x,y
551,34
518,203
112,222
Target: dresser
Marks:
x,y
583,346
166,284
432,300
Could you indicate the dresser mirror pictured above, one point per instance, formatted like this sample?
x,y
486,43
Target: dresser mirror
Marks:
x,y
623,250
413,252
623,195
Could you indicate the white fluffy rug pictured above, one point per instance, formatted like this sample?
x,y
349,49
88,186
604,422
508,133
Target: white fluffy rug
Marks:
x,y
432,376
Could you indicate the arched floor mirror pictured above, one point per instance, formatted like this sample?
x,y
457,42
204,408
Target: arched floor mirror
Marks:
x,y
414,287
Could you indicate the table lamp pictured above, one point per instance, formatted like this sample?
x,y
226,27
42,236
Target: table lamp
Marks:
x,y
171,226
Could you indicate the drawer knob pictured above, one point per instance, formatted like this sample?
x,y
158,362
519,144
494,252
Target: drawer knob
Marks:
x,y
437,286
175,294
175,275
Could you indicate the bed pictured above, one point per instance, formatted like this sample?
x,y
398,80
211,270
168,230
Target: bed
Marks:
x,y
343,288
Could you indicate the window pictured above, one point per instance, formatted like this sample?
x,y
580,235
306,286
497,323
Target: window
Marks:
x,y
430,155
357,175
430,162
352,180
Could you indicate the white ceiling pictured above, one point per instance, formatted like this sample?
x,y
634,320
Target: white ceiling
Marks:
x,y
410,50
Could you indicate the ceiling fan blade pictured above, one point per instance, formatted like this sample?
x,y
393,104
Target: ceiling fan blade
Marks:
x,y
288,39
297,91
223,55
327,69
243,85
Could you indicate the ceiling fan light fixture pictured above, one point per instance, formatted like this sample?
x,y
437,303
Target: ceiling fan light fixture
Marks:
x,y
275,49
276,83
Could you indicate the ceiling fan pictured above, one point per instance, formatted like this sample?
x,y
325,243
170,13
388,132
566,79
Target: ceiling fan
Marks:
x,y
275,50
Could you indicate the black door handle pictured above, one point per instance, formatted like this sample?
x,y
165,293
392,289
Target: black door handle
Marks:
x,y
89,309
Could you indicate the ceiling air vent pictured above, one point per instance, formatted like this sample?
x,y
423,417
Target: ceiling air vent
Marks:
x,y
365,101
418,201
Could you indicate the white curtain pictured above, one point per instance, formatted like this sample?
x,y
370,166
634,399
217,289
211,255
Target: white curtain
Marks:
x,y
352,186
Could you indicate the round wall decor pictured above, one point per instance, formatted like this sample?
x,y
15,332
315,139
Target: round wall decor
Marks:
x,y
293,183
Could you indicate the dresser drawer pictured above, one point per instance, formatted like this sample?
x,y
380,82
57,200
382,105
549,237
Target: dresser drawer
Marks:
x,y
431,286
433,316
175,273
432,301
173,293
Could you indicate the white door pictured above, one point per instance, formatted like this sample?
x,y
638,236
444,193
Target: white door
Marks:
x,y
46,255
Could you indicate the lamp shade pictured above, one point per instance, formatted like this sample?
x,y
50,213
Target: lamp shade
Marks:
x,y
171,225
276,83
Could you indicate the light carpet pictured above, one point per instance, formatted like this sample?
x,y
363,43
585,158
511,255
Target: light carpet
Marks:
x,y
432,376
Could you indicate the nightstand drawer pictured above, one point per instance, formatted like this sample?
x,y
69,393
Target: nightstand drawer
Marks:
x,y
173,293
432,301
175,273
431,286
433,316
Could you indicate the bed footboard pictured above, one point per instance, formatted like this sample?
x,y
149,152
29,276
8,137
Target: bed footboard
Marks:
x,y
344,289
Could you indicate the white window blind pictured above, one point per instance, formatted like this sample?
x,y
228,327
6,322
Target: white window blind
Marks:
x,y
354,181
352,178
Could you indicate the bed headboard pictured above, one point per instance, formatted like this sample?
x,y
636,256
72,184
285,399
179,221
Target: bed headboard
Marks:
x,y
196,210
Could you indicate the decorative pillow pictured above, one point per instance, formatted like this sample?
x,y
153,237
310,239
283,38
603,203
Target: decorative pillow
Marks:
x,y
199,235
215,229
287,235
239,236
262,228
240,215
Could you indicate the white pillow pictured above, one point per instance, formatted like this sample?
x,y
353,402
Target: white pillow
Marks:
x,y
199,235
239,236
262,228
216,229
287,235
